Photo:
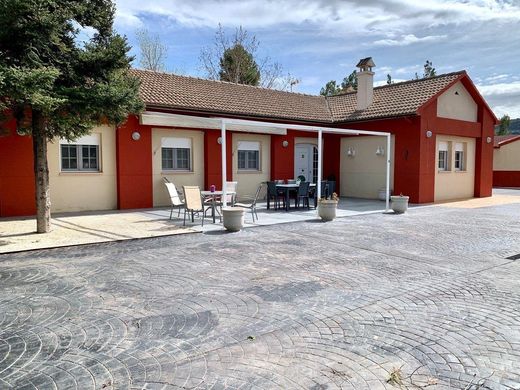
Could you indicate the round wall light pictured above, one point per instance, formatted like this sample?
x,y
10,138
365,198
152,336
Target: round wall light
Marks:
x,y
429,134
219,140
285,143
136,136
488,140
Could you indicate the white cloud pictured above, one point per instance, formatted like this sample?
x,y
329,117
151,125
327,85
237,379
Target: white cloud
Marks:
x,y
504,98
337,17
408,39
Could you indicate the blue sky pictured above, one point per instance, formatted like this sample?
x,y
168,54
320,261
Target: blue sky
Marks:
x,y
321,40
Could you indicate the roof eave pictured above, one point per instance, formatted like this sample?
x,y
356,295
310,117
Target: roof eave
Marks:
x,y
237,115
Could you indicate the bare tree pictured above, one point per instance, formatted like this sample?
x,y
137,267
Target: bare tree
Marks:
x,y
153,52
271,73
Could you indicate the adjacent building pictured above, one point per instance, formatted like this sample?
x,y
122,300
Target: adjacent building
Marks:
x,y
442,144
506,161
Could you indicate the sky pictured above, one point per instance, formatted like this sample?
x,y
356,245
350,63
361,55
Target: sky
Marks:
x,y
321,40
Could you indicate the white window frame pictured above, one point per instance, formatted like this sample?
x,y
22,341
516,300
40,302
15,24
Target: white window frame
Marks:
x,y
252,156
91,141
444,150
175,145
460,157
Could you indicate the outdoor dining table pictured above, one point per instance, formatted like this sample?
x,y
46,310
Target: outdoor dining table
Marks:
x,y
214,195
287,188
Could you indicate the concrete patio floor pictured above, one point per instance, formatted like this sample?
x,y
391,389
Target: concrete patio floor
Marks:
x,y
17,234
104,226
429,298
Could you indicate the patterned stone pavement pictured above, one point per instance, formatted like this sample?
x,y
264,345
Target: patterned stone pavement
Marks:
x,y
428,298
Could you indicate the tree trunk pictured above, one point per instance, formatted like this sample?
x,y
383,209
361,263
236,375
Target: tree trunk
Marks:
x,y
41,174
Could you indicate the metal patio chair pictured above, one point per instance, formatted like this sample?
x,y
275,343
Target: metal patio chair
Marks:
x,y
193,203
303,194
251,206
175,198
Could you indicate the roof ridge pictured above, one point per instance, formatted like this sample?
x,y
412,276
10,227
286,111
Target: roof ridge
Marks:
x,y
225,82
460,72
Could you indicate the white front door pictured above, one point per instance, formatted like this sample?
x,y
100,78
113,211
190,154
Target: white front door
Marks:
x,y
304,162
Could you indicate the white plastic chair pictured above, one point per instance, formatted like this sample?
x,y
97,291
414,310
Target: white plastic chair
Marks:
x,y
231,189
175,199
193,200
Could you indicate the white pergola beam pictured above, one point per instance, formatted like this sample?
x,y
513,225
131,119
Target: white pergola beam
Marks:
x,y
224,124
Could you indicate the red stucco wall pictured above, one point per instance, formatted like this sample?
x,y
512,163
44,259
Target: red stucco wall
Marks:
x,y
213,158
16,173
506,178
134,166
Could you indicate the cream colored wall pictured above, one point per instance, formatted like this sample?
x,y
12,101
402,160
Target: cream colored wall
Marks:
x,y
80,191
248,181
507,157
193,178
455,184
363,175
457,103
306,140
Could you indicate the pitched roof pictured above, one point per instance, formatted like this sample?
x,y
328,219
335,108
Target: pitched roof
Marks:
x,y
195,94
190,93
392,100
505,139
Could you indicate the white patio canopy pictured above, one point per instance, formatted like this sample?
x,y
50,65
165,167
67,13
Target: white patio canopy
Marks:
x,y
250,126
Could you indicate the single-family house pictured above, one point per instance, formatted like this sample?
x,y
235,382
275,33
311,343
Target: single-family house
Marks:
x,y
441,144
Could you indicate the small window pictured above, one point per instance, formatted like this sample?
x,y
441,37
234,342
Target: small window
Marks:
x,y
460,163
176,159
176,154
79,157
248,156
443,163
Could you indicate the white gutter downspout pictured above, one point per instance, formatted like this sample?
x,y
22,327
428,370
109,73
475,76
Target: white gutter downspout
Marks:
x,y
388,136
224,162
320,146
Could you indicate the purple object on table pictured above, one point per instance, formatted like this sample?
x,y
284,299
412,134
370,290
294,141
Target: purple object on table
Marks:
x,y
212,188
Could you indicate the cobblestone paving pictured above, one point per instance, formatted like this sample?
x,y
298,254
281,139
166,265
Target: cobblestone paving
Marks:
x,y
429,295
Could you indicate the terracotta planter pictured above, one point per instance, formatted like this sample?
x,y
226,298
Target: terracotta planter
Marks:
x,y
233,218
327,209
399,204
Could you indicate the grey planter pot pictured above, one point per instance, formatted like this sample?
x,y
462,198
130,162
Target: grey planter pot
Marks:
x,y
399,204
327,209
233,218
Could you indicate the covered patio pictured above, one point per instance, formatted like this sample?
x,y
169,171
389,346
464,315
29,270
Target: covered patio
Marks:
x,y
226,125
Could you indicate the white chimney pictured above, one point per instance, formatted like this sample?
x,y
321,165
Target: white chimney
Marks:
x,y
365,83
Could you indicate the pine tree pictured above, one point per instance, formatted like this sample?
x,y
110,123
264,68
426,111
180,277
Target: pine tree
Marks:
x,y
57,86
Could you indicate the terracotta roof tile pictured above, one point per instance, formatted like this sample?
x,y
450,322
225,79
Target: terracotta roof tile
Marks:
x,y
195,94
505,139
390,100
190,93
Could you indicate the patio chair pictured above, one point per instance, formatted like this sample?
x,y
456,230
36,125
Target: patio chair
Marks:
x,y
274,194
252,205
175,199
303,194
193,202
231,186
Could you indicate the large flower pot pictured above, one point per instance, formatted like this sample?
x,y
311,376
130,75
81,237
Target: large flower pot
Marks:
x,y
233,218
327,209
399,203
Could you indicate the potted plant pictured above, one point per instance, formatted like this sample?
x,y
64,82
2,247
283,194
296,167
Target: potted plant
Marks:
x,y
233,218
399,203
327,207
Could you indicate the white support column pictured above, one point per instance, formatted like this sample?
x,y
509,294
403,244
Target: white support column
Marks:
x,y
320,147
388,156
224,162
